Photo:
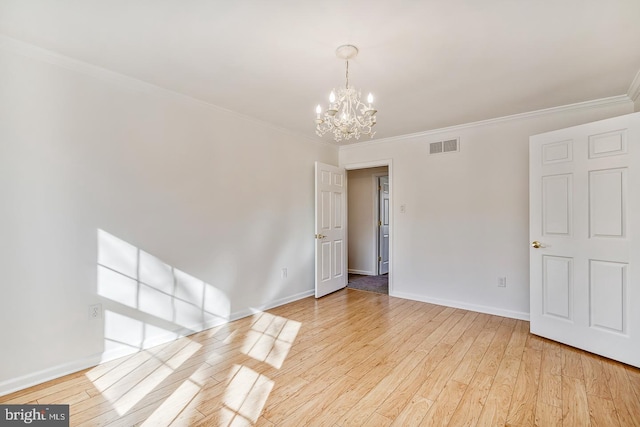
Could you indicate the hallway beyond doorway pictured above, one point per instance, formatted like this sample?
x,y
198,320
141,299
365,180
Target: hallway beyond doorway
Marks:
x,y
378,284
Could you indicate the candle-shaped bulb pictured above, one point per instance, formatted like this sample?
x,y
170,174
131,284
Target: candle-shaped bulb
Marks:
x,y
332,97
318,110
370,98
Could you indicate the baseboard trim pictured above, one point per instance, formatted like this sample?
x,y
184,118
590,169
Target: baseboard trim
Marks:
x,y
520,315
29,380
16,384
362,272
273,304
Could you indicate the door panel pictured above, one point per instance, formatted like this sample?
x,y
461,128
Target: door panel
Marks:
x,y
607,202
557,191
330,189
587,221
607,289
557,285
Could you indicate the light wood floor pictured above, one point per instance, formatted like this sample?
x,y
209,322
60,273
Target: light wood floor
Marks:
x,y
353,358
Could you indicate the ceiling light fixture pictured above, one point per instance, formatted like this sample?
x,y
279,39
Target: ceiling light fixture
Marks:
x,y
346,117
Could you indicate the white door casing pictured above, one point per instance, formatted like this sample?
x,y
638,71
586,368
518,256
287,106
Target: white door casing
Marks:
x,y
383,224
331,229
585,219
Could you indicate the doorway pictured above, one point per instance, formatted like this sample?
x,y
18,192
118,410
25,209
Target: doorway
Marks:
x,y
368,207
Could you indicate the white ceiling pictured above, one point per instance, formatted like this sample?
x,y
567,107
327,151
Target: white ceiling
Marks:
x,y
430,64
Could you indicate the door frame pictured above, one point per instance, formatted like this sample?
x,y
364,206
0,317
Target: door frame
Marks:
x,y
368,165
376,206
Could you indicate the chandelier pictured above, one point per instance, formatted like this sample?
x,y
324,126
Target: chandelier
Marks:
x,y
347,116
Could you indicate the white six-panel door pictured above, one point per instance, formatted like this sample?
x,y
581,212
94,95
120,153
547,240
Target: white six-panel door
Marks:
x,y
585,232
383,225
331,216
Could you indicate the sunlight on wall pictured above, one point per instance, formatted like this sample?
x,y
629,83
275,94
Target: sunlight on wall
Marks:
x,y
124,331
167,302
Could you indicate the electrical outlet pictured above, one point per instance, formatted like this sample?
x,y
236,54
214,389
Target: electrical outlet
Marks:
x,y
284,273
502,282
95,311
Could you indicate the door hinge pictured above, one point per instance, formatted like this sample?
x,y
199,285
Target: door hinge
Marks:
x,y
379,223
379,258
379,187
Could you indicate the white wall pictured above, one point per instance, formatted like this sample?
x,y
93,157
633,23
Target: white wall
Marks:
x,y
172,214
362,216
467,213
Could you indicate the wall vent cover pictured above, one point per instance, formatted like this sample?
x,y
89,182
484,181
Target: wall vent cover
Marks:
x,y
448,146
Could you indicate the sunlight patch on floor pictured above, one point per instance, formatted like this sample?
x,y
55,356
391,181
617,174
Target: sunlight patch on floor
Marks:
x,y
173,405
270,339
127,385
245,396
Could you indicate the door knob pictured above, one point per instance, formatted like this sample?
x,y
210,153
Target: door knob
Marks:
x,y
535,244
320,236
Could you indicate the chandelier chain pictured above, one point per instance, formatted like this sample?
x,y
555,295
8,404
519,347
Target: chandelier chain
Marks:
x,y
347,74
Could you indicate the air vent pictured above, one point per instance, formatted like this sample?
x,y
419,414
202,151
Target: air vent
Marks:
x,y
435,147
448,146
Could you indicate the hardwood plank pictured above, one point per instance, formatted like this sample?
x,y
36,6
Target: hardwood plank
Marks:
x,y
445,405
634,379
370,402
572,362
314,406
460,327
377,420
467,367
336,410
550,383
472,402
575,409
548,415
594,376
71,397
493,356
394,404
413,413
496,406
525,392
602,412
443,372
625,400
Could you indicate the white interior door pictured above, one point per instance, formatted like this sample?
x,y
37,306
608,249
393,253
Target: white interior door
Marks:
x,y
383,225
331,225
585,232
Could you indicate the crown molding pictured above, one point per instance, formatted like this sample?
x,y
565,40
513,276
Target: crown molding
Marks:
x,y
596,103
45,55
634,89
41,54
